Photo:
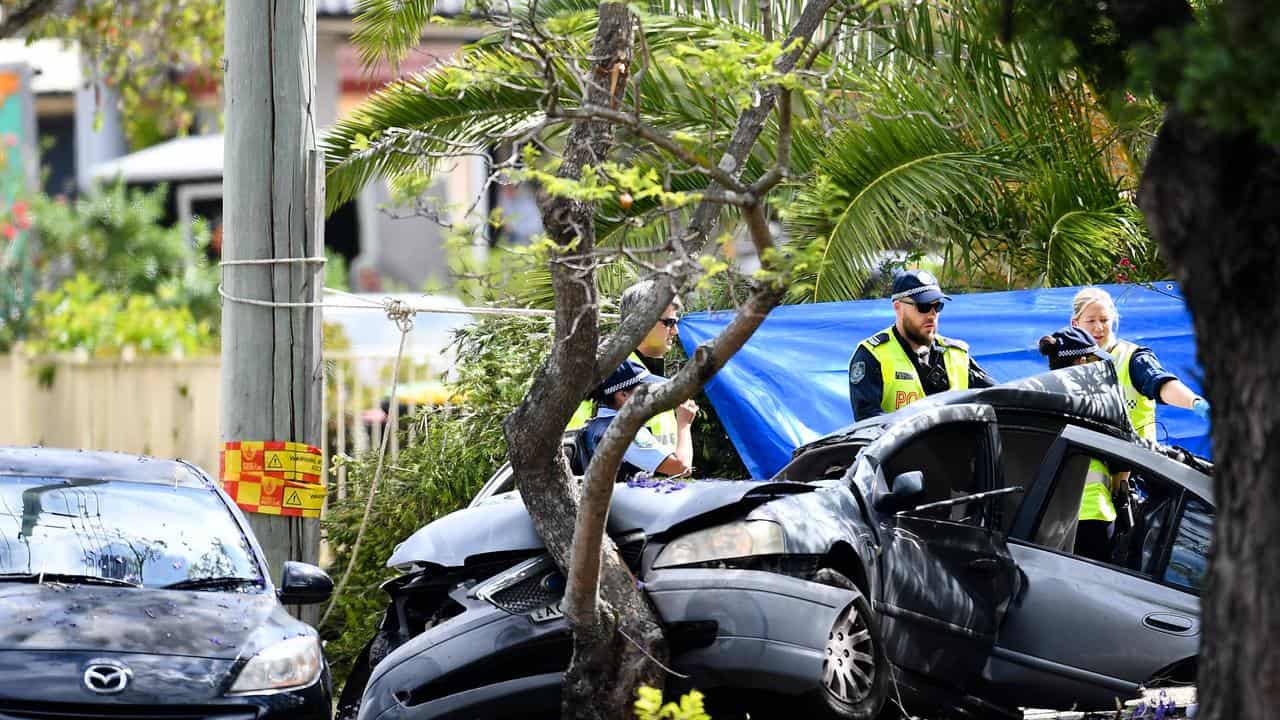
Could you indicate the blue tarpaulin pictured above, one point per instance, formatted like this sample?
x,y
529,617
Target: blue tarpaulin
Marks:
x,y
789,384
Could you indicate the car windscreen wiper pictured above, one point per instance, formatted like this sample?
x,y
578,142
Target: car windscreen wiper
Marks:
x,y
209,583
67,578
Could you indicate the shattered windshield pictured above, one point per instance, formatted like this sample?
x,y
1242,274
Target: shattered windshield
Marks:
x,y
137,533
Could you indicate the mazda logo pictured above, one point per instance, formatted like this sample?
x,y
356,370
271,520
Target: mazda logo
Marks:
x,y
107,677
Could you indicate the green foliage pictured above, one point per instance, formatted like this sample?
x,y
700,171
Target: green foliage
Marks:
x,y
924,132
1222,68
115,234
139,48
390,28
466,102
458,448
993,155
81,315
335,271
115,237
649,706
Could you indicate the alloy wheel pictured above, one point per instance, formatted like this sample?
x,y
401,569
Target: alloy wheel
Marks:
x,y
849,667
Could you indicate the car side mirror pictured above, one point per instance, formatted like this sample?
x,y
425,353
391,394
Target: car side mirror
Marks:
x,y
908,489
304,584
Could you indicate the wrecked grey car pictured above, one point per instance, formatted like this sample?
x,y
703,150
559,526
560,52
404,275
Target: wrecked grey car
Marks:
x,y
924,556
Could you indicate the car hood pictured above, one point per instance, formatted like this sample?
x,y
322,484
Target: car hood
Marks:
x,y
653,507
221,625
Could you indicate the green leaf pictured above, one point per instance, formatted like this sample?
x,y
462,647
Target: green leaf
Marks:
x,y
389,29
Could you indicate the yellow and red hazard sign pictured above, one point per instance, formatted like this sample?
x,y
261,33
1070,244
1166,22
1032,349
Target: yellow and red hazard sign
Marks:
x,y
273,477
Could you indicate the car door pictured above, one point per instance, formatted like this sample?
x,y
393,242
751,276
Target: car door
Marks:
x,y
946,572
1084,632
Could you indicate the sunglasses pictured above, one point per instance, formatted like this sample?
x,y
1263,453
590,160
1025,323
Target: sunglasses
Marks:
x,y
668,323
925,308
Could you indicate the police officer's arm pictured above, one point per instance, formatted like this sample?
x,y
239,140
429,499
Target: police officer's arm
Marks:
x,y
646,453
1151,379
978,378
681,460
866,385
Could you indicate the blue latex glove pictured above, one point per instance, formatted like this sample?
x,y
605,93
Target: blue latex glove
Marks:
x,y
1200,406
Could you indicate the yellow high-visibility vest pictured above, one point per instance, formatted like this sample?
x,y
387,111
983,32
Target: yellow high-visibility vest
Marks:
x,y
901,381
1096,503
1142,409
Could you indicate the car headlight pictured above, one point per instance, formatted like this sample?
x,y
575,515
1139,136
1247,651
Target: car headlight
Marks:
x,y
290,664
733,540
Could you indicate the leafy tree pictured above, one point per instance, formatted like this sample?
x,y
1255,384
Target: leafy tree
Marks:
x,y
995,156
584,74
117,234
924,132
156,53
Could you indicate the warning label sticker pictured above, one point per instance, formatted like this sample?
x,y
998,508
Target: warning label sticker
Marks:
x,y
274,477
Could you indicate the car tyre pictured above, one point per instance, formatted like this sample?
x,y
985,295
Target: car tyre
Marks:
x,y
855,677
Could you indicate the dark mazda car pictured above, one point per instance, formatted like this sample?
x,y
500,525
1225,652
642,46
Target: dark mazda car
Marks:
x,y
132,587
927,555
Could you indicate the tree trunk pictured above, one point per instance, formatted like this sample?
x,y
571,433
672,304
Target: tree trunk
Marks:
x,y
1213,202
607,667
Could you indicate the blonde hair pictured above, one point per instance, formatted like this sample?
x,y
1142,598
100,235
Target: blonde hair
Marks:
x,y
1091,295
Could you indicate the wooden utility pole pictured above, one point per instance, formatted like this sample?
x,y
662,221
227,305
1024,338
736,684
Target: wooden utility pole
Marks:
x,y
273,201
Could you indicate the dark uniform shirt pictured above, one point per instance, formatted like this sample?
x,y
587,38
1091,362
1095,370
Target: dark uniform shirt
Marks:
x,y
867,391
1147,374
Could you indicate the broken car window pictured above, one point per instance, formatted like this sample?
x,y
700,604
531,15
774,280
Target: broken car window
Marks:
x,y
948,457
1022,453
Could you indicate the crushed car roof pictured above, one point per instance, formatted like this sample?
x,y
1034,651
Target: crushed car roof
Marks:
x,y
97,465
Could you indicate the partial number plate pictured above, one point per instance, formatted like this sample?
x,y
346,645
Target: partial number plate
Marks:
x,y
547,613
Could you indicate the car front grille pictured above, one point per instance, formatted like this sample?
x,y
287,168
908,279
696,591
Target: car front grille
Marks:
x,y
530,585
54,711
530,593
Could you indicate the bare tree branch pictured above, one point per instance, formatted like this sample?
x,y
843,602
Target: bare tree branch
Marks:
x,y
648,400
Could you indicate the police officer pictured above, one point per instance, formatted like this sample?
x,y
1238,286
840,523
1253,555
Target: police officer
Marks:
x,y
649,353
1142,378
909,360
646,453
1073,346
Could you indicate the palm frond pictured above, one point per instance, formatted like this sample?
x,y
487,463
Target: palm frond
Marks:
x,y
879,184
1084,245
449,110
389,29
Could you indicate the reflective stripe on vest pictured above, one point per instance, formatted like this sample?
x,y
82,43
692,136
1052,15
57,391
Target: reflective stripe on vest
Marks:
x,y
902,391
1096,502
662,425
1141,409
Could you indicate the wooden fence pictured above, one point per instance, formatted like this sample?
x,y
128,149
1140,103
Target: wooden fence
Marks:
x,y
161,407
169,407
